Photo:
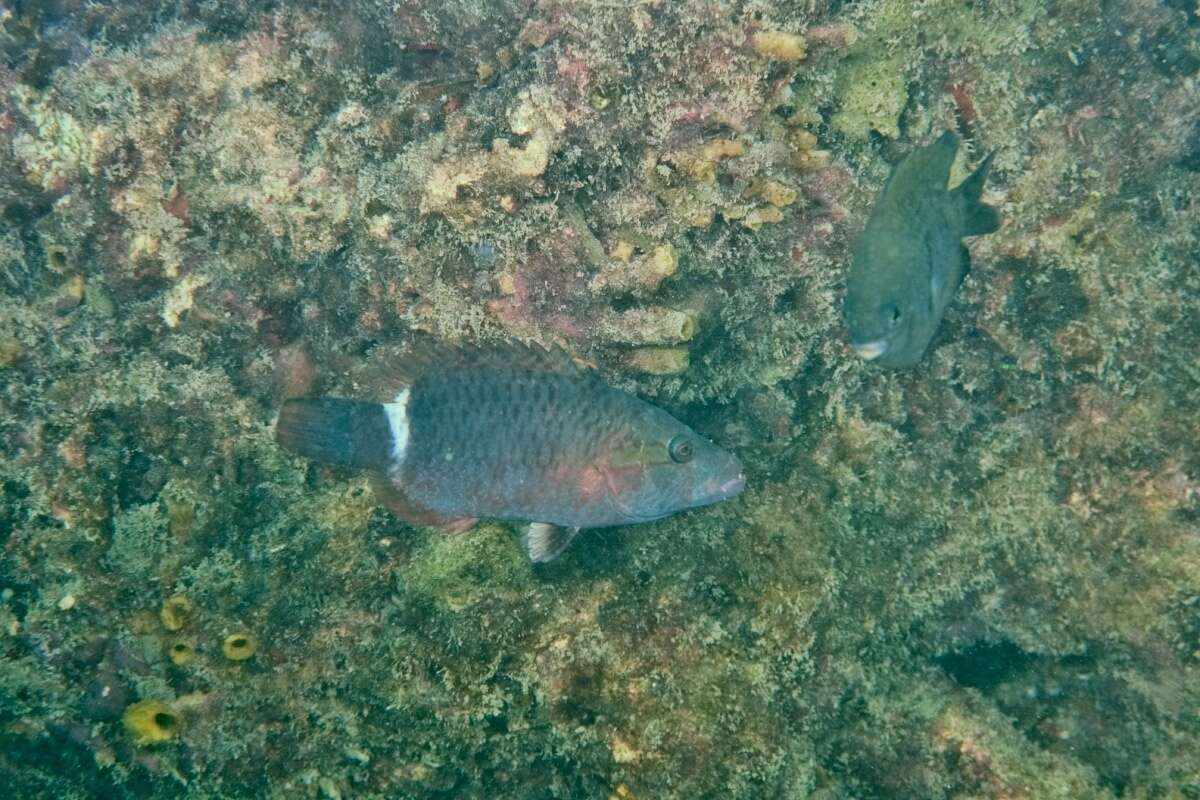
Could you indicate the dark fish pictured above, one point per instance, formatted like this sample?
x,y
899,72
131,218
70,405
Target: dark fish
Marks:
x,y
910,258
514,433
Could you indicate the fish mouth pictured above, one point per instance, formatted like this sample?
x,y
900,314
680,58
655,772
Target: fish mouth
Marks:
x,y
714,492
869,351
733,486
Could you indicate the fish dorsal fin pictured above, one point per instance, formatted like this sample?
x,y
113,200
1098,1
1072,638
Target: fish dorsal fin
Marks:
x,y
396,501
531,357
927,168
922,174
545,542
939,157
429,357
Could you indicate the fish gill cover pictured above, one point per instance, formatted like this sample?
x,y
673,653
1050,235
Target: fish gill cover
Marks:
x,y
975,577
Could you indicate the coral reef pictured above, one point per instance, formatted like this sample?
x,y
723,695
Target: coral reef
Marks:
x,y
975,578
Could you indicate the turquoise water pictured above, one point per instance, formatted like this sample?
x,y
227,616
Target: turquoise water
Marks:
x,y
977,577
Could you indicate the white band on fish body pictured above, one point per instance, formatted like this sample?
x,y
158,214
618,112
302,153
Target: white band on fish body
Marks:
x,y
397,416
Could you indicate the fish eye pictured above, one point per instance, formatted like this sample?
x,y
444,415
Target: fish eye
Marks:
x,y
892,313
681,449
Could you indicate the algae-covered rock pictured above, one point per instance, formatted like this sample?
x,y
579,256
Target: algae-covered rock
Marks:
x,y
871,92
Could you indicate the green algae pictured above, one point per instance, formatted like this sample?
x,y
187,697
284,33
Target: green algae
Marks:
x,y
974,578
872,95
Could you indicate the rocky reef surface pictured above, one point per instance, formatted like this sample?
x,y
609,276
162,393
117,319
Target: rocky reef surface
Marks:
x,y
976,578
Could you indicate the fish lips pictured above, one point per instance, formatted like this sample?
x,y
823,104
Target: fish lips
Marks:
x,y
719,488
732,487
869,351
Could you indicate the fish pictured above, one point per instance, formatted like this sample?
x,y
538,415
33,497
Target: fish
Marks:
x,y
910,260
512,432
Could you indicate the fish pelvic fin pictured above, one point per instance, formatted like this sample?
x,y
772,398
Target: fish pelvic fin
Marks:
x,y
978,217
545,542
393,498
349,433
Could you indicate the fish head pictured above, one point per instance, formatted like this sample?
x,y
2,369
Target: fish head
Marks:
x,y
661,466
888,302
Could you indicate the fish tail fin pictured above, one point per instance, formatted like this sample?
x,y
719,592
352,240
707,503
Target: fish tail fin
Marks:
x,y
349,433
979,218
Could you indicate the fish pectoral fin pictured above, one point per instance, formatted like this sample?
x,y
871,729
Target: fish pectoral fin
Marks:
x,y
545,542
396,501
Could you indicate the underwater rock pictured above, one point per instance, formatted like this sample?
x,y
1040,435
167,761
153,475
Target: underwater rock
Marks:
x,y
11,351
1035,483
642,274
107,694
539,118
658,360
872,93
648,325
779,45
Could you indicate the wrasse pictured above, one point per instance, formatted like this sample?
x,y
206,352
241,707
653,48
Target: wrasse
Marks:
x,y
513,432
910,259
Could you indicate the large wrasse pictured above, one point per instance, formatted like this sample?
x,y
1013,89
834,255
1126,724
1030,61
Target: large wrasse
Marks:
x,y
910,259
513,432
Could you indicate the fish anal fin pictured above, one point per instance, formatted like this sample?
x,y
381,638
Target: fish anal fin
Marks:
x,y
396,501
545,542
455,526
981,219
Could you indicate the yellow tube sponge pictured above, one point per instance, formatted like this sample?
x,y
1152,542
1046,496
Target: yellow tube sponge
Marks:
x,y
151,722
239,646
175,612
181,653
